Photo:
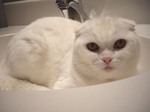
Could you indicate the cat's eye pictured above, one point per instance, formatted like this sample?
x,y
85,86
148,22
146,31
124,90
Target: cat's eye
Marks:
x,y
119,44
93,47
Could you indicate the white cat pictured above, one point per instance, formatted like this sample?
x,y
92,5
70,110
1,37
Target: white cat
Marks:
x,y
60,53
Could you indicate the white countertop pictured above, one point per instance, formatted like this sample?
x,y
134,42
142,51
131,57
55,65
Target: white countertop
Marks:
x,y
11,30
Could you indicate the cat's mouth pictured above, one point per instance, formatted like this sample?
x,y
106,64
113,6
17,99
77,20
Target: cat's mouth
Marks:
x,y
108,68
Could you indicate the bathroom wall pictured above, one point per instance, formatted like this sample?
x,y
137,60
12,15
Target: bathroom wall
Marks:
x,y
24,12
138,10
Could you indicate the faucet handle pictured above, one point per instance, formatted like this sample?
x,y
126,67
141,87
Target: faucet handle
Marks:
x,y
61,4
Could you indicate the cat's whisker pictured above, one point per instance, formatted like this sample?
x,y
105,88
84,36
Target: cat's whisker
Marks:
x,y
81,64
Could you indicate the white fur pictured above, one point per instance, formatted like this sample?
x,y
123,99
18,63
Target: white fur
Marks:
x,y
51,53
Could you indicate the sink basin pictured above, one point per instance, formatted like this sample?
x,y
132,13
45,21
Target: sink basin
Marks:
x,y
127,95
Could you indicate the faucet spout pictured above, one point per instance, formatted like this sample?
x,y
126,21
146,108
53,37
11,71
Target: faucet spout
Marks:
x,y
72,9
78,8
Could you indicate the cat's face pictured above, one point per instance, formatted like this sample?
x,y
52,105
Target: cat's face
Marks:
x,y
107,45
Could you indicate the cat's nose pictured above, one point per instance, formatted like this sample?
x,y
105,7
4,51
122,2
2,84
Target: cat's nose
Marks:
x,y
107,60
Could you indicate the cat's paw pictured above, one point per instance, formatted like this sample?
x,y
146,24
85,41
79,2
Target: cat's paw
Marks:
x,y
63,83
25,86
38,88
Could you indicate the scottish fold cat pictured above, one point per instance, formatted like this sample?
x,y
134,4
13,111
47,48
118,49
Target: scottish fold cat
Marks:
x,y
58,53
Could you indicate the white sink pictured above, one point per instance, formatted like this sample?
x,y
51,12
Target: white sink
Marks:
x,y
127,95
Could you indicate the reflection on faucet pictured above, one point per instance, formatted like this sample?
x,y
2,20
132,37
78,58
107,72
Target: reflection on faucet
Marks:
x,y
72,9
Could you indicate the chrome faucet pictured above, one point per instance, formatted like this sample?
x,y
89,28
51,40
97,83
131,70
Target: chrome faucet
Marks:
x,y
72,9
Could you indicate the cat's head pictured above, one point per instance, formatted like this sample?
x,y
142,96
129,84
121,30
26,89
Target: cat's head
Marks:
x,y
107,46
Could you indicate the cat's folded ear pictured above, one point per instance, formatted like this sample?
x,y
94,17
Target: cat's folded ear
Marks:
x,y
129,23
79,30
